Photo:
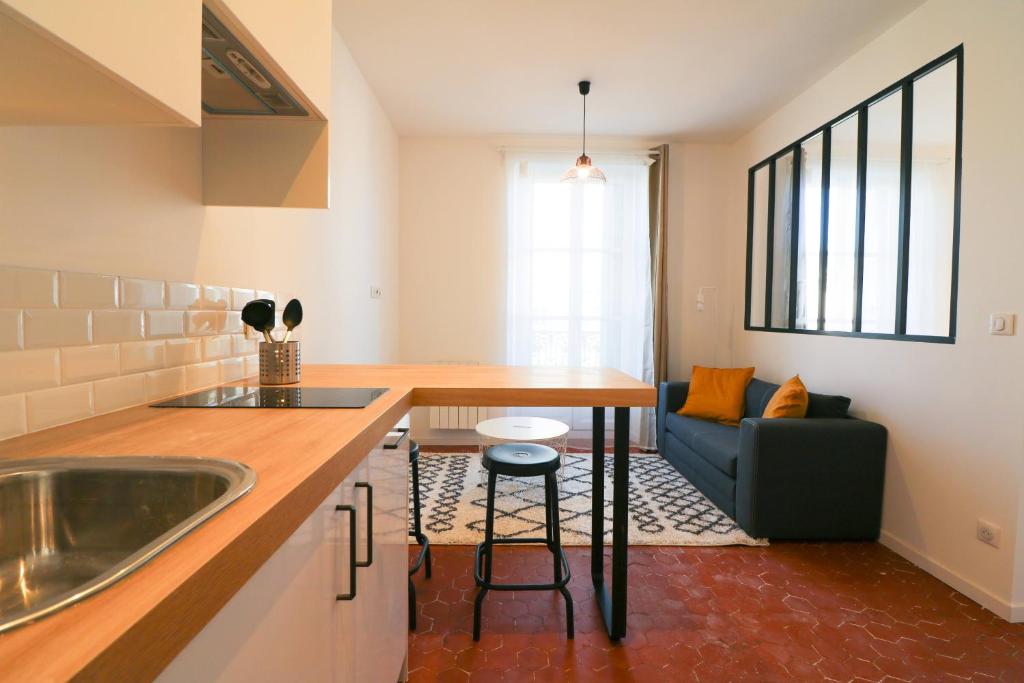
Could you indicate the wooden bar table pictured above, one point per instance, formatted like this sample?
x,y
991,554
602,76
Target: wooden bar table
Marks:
x,y
134,628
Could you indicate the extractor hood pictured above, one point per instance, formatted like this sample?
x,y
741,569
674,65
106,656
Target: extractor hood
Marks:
x,y
234,81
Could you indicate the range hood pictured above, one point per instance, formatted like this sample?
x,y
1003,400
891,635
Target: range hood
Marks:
x,y
235,83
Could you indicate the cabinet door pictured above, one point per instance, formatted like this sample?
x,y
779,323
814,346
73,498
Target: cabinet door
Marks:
x,y
382,606
345,622
280,625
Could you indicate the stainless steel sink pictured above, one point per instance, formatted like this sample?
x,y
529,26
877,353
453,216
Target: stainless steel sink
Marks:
x,y
70,527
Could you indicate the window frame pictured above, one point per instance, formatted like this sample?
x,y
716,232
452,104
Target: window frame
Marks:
x,y
905,87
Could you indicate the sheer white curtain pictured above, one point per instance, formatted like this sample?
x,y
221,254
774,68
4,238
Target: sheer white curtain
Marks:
x,y
579,279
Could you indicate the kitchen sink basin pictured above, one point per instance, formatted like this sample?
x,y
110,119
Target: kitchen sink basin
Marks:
x,y
70,527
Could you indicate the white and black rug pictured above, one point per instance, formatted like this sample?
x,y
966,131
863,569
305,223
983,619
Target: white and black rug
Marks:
x,y
664,508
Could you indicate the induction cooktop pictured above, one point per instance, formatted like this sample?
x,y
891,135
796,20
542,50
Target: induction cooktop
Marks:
x,y
255,396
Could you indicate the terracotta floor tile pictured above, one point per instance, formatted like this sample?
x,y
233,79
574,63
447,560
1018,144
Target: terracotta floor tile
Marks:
x,y
787,612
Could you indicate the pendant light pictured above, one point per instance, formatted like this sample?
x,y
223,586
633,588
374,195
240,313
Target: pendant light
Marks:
x,y
584,171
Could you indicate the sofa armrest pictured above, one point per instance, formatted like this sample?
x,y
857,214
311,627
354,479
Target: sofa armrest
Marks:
x,y
810,478
671,397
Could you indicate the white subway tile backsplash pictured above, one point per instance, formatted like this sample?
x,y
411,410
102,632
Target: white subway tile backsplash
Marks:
x,y
119,392
216,298
231,323
88,290
202,375
160,324
182,295
12,416
75,344
240,297
85,363
22,371
51,407
117,326
138,293
232,369
11,331
164,383
183,352
47,328
141,356
242,346
204,322
27,288
217,347
252,365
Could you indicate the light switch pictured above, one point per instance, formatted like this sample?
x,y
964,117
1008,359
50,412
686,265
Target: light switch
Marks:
x,y
1002,323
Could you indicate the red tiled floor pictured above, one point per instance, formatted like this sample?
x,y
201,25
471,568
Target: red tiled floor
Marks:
x,y
806,612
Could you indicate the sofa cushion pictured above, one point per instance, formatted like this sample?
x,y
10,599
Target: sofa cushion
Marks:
x,y
718,444
720,447
758,394
717,394
707,478
823,405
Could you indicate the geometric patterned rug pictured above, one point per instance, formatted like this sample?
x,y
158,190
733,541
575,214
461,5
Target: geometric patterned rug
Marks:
x,y
665,509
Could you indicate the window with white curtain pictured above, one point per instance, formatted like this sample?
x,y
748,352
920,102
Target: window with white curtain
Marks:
x,y
871,248
579,284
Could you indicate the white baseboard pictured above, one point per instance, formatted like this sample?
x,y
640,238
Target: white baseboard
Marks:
x,y
1013,612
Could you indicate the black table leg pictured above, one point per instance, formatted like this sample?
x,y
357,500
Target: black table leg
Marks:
x,y
613,604
597,500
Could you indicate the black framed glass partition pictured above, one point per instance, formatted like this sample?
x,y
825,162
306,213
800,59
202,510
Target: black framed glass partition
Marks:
x,y
853,230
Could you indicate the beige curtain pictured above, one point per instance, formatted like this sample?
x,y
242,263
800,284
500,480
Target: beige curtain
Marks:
x,y
658,186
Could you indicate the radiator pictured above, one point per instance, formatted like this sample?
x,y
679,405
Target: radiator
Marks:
x,y
456,417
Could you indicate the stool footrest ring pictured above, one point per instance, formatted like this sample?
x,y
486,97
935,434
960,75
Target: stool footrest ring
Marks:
x,y
478,568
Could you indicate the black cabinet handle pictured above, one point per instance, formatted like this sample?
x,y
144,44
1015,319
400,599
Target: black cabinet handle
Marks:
x,y
404,431
369,523
351,594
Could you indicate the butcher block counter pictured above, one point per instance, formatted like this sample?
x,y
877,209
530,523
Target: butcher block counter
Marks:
x,y
133,629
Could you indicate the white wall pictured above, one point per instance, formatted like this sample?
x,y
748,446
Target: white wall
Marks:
x,y
696,250
953,412
129,201
452,257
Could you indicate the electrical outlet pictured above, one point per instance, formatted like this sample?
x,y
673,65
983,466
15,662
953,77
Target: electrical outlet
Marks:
x,y
376,292
989,533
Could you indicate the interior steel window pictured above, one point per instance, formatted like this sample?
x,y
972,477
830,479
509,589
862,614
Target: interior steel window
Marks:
x,y
854,229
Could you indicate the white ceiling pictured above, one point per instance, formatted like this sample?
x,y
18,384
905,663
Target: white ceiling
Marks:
x,y
674,69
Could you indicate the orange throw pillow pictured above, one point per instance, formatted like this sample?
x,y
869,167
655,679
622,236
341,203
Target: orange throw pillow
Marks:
x,y
717,394
789,400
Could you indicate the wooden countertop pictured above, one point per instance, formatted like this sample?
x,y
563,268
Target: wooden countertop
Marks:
x,y
131,630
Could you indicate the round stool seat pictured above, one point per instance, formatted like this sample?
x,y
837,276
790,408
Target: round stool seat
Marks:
x,y
521,459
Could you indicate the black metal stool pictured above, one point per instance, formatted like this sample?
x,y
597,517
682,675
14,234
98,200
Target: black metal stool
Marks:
x,y
522,460
416,531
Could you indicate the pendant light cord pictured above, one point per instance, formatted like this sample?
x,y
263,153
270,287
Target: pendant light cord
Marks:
x,y
584,125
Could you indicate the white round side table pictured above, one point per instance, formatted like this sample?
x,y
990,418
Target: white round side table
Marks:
x,y
524,430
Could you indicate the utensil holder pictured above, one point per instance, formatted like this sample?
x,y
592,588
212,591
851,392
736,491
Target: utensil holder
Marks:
x,y
280,362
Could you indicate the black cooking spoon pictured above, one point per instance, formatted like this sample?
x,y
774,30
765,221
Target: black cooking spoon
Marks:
x,y
292,317
259,314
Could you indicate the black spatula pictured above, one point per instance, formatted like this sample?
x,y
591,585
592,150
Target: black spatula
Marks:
x,y
259,314
292,317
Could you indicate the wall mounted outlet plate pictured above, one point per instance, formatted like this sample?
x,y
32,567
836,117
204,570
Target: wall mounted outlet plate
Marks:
x,y
989,533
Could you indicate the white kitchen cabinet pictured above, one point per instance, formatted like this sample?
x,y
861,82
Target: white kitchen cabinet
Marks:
x,y
286,622
100,62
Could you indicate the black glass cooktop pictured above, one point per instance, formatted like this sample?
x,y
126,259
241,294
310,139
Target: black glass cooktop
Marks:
x,y
254,396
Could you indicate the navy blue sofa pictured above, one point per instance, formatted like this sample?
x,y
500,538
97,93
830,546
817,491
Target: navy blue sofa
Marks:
x,y
815,478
